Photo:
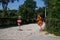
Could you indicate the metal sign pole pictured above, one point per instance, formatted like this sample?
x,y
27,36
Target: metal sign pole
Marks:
x,y
45,14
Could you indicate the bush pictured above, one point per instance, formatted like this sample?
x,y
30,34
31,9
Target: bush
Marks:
x,y
8,21
53,26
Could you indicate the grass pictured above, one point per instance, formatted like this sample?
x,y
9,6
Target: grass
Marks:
x,y
57,33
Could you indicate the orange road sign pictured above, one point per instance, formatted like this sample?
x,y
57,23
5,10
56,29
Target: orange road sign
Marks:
x,y
39,20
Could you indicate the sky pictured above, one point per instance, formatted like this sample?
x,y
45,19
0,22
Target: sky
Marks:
x,y
16,4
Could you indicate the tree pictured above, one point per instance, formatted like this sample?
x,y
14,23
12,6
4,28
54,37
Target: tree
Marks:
x,y
5,3
41,11
5,13
53,16
27,10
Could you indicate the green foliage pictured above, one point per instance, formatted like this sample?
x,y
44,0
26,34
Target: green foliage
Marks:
x,y
53,18
41,11
27,10
8,21
8,14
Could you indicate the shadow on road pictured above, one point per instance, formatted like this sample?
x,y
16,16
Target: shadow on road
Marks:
x,y
6,26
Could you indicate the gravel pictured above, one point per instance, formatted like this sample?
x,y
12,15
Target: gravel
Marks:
x,y
28,32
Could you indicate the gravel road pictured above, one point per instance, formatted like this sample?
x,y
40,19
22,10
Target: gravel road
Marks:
x,y
28,32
